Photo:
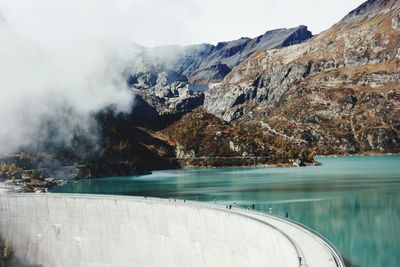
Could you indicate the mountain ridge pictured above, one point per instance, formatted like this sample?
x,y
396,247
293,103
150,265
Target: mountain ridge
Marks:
x,y
171,77
343,66
187,60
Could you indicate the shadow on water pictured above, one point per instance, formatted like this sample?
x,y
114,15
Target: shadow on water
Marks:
x,y
349,264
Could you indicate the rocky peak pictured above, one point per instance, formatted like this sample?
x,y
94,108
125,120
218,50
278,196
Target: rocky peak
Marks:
x,y
300,34
368,10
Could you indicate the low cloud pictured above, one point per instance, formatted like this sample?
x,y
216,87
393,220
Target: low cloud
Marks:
x,y
61,62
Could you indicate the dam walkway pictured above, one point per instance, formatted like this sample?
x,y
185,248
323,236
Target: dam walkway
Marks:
x,y
102,230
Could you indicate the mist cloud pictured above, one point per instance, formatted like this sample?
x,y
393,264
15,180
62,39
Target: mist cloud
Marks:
x,y
60,63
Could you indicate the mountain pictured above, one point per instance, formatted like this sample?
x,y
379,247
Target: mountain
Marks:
x,y
277,99
172,78
205,63
338,92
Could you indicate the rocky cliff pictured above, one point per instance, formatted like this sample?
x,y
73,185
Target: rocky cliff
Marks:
x,y
339,91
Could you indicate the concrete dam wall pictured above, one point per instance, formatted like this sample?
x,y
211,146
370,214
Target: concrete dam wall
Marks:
x,y
81,230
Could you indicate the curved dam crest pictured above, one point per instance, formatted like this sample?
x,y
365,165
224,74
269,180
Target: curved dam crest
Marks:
x,y
89,230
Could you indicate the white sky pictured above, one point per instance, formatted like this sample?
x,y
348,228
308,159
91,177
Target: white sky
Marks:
x,y
161,22
219,20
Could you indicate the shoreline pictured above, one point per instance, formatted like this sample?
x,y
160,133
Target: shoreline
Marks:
x,y
15,188
272,166
291,165
372,154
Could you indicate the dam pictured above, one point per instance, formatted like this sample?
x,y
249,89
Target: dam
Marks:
x,y
95,230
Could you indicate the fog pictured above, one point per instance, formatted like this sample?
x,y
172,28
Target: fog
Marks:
x,y
59,64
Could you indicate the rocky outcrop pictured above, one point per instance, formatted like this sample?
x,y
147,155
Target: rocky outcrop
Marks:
x,y
338,91
164,90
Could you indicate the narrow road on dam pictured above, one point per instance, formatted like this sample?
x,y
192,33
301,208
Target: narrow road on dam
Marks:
x,y
315,249
102,230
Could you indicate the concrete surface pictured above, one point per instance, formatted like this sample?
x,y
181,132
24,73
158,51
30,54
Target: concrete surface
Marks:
x,y
88,230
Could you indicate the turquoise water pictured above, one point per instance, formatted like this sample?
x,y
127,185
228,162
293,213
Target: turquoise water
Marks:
x,y
353,201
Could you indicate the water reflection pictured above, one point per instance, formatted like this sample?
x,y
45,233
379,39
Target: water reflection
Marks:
x,y
364,227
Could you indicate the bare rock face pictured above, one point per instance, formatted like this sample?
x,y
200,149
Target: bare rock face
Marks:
x,y
338,91
396,22
165,90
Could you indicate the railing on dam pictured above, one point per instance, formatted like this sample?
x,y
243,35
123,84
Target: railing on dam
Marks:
x,y
238,211
325,241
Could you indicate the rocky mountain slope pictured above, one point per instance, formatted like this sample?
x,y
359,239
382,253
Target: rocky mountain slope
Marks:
x,y
201,139
339,91
172,78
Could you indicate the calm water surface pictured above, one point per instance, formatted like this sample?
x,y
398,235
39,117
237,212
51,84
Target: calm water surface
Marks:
x,y
353,201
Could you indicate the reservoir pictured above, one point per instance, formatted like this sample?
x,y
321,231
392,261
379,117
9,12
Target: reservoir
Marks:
x,y
353,201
